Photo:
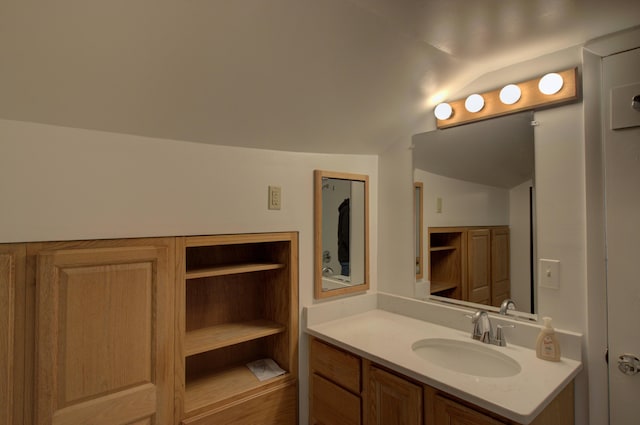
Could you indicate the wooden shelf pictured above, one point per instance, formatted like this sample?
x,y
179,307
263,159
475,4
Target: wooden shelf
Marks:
x,y
214,337
221,385
443,286
230,269
442,248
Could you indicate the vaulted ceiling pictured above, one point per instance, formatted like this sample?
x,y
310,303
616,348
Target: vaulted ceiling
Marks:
x,y
336,76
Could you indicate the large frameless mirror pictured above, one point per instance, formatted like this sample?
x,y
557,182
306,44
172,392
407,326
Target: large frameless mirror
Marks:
x,y
341,221
478,219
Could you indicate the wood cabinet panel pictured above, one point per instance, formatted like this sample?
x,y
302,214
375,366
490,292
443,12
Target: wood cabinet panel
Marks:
x,y
332,405
12,292
448,412
391,400
277,406
105,334
443,409
336,365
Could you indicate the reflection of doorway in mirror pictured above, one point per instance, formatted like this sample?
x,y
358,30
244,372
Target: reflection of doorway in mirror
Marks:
x,y
334,193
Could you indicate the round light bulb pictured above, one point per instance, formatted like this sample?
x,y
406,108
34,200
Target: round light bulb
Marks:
x,y
551,83
443,111
510,94
474,103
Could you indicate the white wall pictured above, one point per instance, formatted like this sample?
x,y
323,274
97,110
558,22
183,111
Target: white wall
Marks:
x,y
463,203
396,258
61,183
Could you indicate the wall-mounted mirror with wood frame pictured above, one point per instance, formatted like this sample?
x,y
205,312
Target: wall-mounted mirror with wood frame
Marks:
x,y
341,231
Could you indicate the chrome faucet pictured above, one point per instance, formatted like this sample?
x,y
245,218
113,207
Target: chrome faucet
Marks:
x,y
483,331
507,305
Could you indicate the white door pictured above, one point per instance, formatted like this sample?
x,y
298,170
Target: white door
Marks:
x,y
621,82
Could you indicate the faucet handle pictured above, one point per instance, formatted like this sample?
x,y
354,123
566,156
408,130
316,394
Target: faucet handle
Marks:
x,y
500,339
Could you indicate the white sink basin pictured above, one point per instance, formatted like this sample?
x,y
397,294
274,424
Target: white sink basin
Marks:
x,y
471,358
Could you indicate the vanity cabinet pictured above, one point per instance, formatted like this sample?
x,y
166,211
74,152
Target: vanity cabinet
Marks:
x,y
387,397
470,263
237,302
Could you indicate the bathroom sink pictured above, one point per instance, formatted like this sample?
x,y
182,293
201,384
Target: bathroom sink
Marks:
x,y
471,358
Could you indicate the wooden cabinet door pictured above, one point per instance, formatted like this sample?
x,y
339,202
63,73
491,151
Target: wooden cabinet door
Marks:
x,y
392,400
12,285
500,274
448,412
479,266
104,331
331,404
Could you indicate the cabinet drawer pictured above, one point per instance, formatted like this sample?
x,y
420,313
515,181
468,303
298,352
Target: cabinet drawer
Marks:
x,y
448,411
336,365
332,405
278,406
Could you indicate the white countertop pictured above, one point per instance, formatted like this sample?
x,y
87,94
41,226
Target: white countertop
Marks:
x,y
386,338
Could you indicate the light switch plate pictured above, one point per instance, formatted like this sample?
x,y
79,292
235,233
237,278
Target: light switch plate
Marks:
x,y
549,273
275,197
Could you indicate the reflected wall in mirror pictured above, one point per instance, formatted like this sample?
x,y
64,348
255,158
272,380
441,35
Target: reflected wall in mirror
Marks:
x,y
478,218
341,233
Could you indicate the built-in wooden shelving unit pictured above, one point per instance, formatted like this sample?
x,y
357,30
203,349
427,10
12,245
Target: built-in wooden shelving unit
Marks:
x,y
237,303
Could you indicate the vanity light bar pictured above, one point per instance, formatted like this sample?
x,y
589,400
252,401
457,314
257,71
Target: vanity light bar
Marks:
x,y
523,96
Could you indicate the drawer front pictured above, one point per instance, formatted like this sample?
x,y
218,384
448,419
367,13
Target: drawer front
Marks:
x,y
336,365
278,406
332,405
448,411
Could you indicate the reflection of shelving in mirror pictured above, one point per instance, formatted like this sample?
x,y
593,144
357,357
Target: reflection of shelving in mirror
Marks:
x,y
470,263
446,262
239,304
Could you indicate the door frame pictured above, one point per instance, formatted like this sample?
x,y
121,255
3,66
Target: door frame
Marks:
x,y
594,112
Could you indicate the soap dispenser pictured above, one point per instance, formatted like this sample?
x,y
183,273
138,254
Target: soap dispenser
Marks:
x,y
547,346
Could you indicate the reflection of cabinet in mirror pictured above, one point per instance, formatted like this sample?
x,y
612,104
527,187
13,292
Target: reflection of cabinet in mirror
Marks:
x,y
470,263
